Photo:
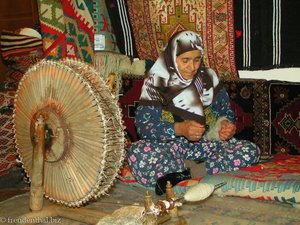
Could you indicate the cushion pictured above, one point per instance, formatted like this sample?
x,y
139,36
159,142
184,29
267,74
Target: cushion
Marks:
x,y
277,180
284,123
128,99
20,51
154,22
249,100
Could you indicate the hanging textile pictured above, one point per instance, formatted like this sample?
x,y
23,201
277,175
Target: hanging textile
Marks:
x,y
154,22
117,10
67,29
105,39
267,34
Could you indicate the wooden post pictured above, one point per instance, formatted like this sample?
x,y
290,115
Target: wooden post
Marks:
x,y
150,217
37,176
170,195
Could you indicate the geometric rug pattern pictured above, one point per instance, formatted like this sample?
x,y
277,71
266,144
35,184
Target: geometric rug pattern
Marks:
x,y
67,29
154,22
249,99
8,153
285,117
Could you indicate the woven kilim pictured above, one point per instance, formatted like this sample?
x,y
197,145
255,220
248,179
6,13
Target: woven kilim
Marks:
x,y
154,21
67,29
79,27
266,34
117,10
52,24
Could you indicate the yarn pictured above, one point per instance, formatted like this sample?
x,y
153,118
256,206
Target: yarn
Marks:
x,y
199,192
213,133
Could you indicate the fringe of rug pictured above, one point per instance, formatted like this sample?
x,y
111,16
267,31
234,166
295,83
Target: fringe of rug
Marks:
x,y
108,63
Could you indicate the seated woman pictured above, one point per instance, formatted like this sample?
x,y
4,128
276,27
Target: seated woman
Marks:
x,y
185,114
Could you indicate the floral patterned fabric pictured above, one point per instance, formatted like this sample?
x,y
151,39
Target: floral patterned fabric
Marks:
x,y
160,152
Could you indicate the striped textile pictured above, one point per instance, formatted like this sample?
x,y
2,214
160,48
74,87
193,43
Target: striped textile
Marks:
x,y
19,51
117,10
15,42
267,34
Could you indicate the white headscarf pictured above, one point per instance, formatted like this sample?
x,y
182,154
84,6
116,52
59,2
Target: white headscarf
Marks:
x,y
166,87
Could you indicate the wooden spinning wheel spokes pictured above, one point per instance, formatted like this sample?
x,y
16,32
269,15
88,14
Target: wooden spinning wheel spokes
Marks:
x,y
84,147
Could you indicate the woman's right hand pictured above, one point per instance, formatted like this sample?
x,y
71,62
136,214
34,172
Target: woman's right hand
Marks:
x,y
190,129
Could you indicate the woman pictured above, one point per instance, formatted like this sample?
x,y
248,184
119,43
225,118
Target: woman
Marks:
x,y
184,114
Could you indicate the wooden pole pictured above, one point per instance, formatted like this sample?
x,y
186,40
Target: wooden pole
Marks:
x,y
170,195
37,176
150,217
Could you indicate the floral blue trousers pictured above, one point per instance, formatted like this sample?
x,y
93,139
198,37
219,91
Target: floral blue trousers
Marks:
x,y
150,160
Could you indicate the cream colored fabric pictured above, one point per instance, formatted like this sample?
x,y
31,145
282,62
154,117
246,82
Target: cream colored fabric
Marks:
x,y
119,64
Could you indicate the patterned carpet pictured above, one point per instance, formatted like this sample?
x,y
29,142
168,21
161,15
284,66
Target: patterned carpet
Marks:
x,y
67,29
154,21
250,103
285,117
8,152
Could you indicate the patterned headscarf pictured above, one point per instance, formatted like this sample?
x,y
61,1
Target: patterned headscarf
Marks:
x,y
166,87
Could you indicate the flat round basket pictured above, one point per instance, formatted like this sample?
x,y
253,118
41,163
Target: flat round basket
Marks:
x,y
84,129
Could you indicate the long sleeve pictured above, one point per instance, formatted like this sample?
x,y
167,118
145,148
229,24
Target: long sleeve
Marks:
x,y
149,124
222,107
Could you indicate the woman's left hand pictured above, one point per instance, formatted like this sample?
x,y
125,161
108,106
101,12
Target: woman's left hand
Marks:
x,y
227,130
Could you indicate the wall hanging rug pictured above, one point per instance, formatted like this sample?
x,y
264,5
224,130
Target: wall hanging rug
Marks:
x,y
249,100
52,29
105,39
67,29
118,12
285,117
267,34
155,21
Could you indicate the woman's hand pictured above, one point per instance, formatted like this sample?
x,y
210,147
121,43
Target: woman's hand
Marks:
x,y
227,130
190,129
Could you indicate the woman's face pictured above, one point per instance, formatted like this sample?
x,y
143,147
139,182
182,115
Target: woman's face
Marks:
x,y
188,63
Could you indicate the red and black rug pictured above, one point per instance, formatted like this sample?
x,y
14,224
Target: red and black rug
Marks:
x,y
285,117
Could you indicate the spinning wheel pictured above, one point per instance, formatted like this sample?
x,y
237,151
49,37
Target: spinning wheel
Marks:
x,y
84,138
70,138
